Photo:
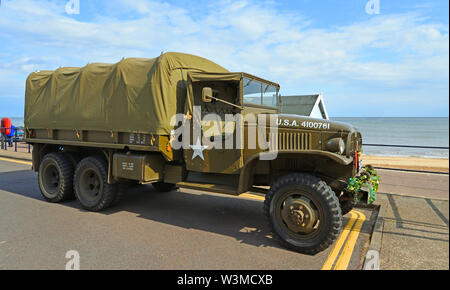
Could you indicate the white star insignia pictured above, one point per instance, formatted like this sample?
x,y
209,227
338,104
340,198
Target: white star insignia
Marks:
x,y
198,149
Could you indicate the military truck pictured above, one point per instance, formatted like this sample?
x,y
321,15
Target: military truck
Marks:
x,y
97,129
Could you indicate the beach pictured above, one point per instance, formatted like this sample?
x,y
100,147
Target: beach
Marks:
x,y
410,163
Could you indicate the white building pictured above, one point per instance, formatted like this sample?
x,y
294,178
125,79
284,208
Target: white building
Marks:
x,y
306,105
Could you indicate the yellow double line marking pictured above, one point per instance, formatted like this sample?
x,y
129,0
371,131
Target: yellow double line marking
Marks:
x,y
15,161
342,251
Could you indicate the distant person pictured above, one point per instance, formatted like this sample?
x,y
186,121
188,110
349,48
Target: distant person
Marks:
x,y
10,137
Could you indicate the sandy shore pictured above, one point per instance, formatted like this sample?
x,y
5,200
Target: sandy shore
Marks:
x,y
414,163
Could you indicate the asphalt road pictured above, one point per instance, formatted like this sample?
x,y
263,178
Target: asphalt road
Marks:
x,y
183,229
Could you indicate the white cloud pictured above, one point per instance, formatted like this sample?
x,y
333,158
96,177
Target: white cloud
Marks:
x,y
385,51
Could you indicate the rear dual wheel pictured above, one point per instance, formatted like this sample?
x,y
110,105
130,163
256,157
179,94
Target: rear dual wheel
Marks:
x,y
91,184
56,177
63,177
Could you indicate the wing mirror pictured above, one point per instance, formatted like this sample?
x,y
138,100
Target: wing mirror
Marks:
x,y
207,94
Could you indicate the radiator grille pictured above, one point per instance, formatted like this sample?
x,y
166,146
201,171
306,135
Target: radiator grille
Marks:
x,y
290,141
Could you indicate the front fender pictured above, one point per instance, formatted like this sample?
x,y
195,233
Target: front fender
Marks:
x,y
343,160
246,174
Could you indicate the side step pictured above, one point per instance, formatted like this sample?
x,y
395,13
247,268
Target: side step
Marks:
x,y
219,188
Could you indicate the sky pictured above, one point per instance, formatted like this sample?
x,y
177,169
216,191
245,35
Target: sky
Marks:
x,y
367,62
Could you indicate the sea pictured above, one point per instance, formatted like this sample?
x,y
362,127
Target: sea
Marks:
x,y
430,132
391,131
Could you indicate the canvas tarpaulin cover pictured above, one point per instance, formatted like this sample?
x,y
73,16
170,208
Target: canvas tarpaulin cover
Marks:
x,y
135,95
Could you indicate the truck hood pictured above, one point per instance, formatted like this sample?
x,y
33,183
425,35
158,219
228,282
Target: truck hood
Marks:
x,y
302,122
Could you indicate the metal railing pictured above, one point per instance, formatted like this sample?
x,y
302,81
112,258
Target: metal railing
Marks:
x,y
10,141
406,146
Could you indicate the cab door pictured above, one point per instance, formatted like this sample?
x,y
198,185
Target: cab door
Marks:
x,y
214,144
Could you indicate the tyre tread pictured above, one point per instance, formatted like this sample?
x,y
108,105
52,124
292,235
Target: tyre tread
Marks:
x,y
326,193
66,177
109,190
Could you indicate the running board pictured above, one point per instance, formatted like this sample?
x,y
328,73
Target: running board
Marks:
x,y
219,188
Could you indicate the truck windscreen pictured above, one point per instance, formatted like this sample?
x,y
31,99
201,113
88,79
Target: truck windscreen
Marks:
x,y
256,92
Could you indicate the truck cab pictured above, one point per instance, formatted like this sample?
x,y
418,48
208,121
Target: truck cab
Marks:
x,y
240,128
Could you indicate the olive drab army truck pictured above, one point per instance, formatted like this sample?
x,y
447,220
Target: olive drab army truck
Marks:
x,y
96,129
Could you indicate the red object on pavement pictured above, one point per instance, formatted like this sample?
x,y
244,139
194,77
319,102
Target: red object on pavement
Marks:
x,y
6,123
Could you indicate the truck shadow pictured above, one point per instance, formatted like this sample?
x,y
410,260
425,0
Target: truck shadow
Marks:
x,y
224,215
239,218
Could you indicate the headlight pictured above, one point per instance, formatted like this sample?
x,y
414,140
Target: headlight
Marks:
x,y
336,145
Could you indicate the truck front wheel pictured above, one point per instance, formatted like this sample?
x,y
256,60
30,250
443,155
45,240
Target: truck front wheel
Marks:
x,y
303,212
55,177
91,184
